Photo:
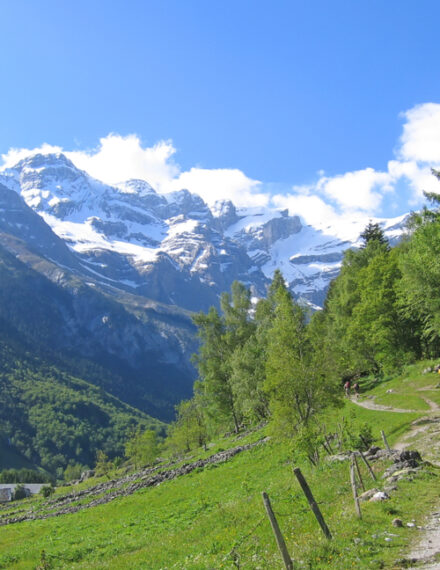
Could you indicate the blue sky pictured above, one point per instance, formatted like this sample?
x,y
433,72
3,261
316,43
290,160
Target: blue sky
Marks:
x,y
279,99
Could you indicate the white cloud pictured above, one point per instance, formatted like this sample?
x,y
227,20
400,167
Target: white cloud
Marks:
x,y
222,183
333,199
119,158
420,140
358,190
313,209
361,192
14,155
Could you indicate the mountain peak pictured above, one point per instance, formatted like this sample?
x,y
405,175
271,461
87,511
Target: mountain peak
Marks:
x,y
136,186
45,160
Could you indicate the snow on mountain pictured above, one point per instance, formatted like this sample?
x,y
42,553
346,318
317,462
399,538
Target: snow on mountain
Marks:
x,y
174,248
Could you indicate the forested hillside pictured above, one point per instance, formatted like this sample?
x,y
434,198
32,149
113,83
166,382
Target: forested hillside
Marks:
x,y
53,419
56,408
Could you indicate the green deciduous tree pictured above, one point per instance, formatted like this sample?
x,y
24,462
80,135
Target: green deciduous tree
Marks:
x,y
142,447
220,336
189,431
295,384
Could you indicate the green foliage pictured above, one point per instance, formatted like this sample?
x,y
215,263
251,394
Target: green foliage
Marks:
x,y
103,464
52,419
142,448
373,232
372,317
295,382
19,493
220,336
189,431
255,365
419,288
47,491
72,471
24,476
307,443
357,435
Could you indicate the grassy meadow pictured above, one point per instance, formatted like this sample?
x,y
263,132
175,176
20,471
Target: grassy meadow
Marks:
x,y
214,517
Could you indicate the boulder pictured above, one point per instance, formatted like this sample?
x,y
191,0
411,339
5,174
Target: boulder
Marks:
x,y
413,458
366,496
379,496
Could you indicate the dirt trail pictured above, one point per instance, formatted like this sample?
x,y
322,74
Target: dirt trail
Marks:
x,y
424,436
371,405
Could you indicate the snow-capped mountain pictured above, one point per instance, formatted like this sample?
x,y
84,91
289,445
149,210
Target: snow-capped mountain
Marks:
x,y
174,248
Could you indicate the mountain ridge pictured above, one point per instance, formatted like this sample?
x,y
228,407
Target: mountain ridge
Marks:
x,y
174,248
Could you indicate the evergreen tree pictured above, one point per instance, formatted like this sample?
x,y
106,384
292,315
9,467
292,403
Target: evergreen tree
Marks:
x,y
373,232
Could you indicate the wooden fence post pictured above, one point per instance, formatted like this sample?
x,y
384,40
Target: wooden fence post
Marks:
x,y
364,459
354,489
358,471
277,532
384,437
316,511
327,440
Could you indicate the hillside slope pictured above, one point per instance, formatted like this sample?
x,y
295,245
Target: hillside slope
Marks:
x,y
212,516
49,418
137,352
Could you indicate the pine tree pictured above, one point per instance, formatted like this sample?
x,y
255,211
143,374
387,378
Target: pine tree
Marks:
x,y
373,232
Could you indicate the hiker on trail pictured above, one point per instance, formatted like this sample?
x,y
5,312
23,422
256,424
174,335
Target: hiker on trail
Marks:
x,y
347,388
356,389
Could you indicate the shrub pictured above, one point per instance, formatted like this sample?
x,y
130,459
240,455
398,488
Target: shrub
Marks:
x,y
19,493
47,490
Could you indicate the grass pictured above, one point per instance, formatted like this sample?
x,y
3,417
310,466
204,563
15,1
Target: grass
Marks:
x,y
407,389
214,518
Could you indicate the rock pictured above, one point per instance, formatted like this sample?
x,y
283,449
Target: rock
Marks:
x,y
410,524
383,453
390,391
411,457
379,496
397,522
373,450
86,475
337,457
366,496
391,470
390,488
403,473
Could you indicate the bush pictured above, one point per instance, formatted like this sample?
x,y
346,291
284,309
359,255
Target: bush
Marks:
x,y
20,493
47,490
